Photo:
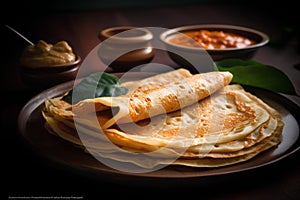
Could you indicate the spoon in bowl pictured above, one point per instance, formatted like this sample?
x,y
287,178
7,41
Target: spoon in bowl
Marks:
x,y
22,36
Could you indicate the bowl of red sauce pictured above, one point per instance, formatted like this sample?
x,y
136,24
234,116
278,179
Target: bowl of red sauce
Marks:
x,y
187,44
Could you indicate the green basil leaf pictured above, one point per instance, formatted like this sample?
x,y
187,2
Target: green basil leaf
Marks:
x,y
253,73
99,84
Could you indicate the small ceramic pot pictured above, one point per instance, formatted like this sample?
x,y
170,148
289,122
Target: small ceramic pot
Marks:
x,y
123,48
49,76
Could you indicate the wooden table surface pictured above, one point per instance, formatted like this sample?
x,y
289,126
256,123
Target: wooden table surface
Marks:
x,y
29,174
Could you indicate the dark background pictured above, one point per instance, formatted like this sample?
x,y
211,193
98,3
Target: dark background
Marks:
x,y
24,16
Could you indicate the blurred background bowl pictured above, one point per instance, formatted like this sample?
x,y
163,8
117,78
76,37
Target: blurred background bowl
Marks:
x,y
181,53
125,47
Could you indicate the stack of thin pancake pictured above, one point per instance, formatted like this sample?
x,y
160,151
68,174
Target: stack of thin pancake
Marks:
x,y
177,118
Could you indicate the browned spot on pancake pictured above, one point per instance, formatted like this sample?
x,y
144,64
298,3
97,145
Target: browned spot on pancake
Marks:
x,y
234,119
139,103
170,102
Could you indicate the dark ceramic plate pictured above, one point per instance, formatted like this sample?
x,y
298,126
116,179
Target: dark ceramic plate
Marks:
x,y
31,126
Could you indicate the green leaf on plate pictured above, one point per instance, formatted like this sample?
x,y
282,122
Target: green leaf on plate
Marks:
x,y
99,84
253,73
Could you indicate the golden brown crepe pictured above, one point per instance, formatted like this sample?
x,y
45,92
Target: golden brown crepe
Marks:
x,y
215,124
152,99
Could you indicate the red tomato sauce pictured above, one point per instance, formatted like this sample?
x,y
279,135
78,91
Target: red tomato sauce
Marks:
x,y
212,39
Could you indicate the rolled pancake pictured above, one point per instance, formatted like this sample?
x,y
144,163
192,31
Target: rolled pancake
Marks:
x,y
64,109
155,98
90,106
